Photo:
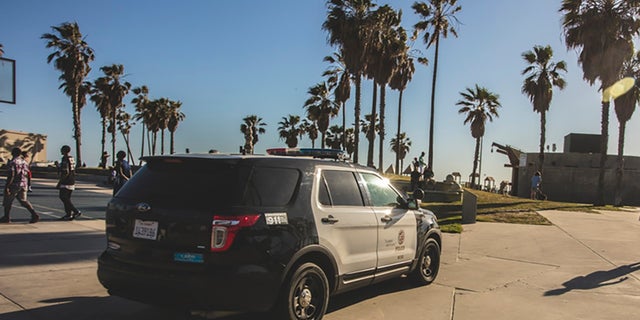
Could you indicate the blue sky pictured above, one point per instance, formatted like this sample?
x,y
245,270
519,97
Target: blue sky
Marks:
x,y
228,59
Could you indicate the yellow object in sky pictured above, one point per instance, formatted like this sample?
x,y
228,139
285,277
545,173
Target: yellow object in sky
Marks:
x,y
617,89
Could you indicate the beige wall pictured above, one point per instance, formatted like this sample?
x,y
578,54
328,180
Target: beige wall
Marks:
x,y
35,144
573,177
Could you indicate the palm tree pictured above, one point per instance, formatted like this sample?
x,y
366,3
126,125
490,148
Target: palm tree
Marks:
x,y
624,107
310,127
124,126
340,80
114,90
350,141
370,126
541,76
478,105
347,25
387,42
401,77
162,119
290,129
334,138
320,107
439,20
101,100
71,57
251,128
400,145
604,30
141,102
175,117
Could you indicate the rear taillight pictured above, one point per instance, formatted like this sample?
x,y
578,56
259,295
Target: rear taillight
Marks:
x,y
225,228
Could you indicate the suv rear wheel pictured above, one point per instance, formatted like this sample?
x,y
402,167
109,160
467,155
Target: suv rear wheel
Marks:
x,y
428,263
306,294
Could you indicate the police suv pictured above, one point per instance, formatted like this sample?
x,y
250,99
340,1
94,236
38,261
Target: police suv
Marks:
x,y
261,233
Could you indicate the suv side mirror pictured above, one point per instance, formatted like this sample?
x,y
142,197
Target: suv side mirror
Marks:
x,y
415,199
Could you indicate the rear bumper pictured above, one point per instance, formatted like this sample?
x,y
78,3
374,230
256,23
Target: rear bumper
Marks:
x,y
242,288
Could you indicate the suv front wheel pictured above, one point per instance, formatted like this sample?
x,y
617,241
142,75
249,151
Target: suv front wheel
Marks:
x,y
428,263
306,293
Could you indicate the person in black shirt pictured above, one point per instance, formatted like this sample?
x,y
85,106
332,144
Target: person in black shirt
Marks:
x,y
67,183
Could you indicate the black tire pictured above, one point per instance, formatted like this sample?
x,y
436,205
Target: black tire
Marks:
x,y
428,263
305,295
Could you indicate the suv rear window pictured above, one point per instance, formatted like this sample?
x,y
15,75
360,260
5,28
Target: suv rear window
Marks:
x,y
208,184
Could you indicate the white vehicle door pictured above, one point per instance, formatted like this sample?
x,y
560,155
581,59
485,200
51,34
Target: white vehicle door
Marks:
x,y
346,227
397,228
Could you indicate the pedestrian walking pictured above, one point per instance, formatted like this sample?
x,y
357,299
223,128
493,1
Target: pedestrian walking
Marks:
x,y
103,160
122,171
536,180
16,187
25,156
67,183
422,163
415,176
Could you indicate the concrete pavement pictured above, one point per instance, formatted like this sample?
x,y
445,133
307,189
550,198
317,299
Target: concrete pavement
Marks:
x,y
584,266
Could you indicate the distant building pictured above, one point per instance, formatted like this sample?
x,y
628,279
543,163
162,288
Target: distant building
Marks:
x,y
572,175
35,144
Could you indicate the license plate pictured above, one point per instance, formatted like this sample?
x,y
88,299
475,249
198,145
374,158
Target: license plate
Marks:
x,y
188,257
145,229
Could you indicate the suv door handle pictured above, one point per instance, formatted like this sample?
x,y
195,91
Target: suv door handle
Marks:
x,y
386,219
330,219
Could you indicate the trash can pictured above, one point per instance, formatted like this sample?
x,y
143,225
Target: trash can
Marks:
x,y
469,207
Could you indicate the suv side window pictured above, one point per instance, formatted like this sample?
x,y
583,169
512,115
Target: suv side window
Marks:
x,y
340,188
381,194
271,187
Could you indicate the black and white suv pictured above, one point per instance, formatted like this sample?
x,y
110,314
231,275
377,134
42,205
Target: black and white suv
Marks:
x,y
261,233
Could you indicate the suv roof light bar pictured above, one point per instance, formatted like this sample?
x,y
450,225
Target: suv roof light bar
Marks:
x,y
336,154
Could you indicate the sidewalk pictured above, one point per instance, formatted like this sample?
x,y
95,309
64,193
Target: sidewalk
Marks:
x,y
585,266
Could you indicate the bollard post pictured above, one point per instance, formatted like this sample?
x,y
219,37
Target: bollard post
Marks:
x,y
469,207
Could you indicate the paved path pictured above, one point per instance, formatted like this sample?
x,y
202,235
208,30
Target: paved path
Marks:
x,y
585,266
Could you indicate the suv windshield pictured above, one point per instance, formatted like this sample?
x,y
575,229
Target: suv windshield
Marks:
x,y
207,184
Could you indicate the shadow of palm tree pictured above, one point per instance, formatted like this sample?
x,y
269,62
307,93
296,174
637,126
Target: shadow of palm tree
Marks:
x,y
596,279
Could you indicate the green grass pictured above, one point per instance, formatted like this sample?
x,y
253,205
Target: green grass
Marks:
x,y
505,209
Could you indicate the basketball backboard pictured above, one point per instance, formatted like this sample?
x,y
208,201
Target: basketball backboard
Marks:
x,y
7,80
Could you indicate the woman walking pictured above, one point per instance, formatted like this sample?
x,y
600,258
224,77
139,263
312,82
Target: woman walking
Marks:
x,y
67,183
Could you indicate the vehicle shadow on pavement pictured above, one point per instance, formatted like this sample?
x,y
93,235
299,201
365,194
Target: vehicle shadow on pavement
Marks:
x,y
596,279
31,249
80,308
353,297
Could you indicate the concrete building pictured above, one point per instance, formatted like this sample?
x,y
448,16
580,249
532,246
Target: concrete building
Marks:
x,y
35,144
573,176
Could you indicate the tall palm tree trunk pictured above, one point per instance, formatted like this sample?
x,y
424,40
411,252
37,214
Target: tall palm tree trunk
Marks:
x,y
154,142
475,163
125,137
398,168
381,132
103,140
142,148
322,137
618,201
433,98
113,137
344,125
77,130
162,142
171,145
371,134
604,139
356,111
543,134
